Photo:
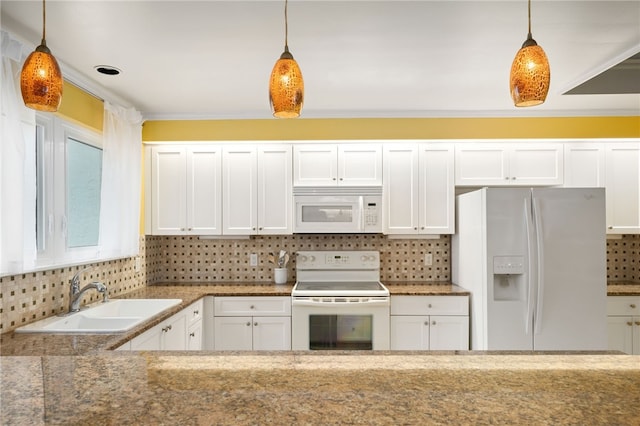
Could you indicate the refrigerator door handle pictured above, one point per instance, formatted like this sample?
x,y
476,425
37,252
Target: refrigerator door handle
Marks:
x,y
538,222
528,220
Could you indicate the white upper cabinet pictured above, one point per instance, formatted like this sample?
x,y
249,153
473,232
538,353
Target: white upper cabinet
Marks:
x,y
240,190
257,194
622,185
517,163
185,189
584,165
418,189
337,164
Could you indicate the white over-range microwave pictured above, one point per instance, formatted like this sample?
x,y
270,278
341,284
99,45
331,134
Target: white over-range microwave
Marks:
x,y
327,210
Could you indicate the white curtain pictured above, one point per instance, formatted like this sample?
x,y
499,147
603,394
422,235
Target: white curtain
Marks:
x,y
17,180
121,182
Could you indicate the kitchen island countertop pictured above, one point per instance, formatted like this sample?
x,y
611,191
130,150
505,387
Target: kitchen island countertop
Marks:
x,y
321,388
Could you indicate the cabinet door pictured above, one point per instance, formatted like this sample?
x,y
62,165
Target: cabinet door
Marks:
x,y
536,164
147,341
204,190
622,184
437,190
194,336
636,335
239,177
275,196
400,190
482,164
620,331
409,332
315,165
271,333
448,333
233,333
360,164
174,333
584,165
168,183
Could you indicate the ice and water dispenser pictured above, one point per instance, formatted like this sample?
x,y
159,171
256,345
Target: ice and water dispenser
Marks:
x,y
509,278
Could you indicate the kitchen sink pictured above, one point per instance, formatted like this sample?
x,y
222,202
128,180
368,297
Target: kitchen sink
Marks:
x,y
114,316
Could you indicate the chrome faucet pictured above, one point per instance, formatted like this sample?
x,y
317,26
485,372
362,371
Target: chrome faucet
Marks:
x,y
75,293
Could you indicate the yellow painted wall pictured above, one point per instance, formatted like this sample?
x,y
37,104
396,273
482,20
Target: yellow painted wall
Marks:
x,y
393,128
81,107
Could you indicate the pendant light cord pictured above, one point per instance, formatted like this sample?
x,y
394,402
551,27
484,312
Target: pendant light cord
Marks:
x,y
529,33
286,27
44,24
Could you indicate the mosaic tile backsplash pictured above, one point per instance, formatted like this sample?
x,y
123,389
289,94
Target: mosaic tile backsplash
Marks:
x,y
30,297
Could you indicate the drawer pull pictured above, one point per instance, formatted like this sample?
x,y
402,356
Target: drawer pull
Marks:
x,y
252,307
248,324
426,323
167,328
633,305
637,322
192,334
196,312
433,322
430,305
255,323
629,323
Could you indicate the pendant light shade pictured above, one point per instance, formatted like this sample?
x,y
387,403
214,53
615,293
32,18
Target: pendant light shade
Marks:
x,y
286,86
530,73
41,79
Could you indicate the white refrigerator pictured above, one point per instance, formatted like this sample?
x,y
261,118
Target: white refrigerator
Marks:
x,y
534,261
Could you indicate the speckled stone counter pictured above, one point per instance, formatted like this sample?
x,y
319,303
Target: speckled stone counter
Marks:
x,y
623,289
321,389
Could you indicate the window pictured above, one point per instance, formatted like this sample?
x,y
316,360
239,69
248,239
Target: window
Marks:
x,y
68,168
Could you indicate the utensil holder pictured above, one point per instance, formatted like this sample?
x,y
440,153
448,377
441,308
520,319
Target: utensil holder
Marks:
x,y
280,275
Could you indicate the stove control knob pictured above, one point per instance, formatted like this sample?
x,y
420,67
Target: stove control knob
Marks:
x,y
312,258
303,259
364,258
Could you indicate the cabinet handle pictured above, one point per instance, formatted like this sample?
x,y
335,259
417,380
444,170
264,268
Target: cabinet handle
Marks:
x,y
629,323
255,323
167,328
422,228
429,305
633,305
426,323
190,229
196,312
341,179
506,178
260,228
513,178
253,229
433,322
248,323
252,307
334,178
415,228
182,229
192,334
637,322
609,227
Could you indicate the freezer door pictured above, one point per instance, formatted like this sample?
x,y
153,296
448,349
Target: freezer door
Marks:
x,y
571,294
508,312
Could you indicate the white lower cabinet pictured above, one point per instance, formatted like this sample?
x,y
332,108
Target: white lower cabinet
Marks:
x,y
429,323
252,323
623,323
174,333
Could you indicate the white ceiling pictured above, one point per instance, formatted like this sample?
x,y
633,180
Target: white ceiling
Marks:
x,y
212,59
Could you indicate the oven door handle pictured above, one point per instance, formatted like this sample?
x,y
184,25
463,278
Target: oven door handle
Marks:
x,y
346,303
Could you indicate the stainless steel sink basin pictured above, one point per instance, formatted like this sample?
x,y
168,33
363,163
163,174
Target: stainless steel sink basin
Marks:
x,y
114,316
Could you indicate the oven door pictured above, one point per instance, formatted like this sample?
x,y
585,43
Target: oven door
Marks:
x,y
340,323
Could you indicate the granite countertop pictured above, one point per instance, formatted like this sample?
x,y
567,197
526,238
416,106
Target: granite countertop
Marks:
x,y
623,289
321,388
14,344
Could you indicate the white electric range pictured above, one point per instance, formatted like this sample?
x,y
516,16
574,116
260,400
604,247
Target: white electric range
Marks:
x,y
338,302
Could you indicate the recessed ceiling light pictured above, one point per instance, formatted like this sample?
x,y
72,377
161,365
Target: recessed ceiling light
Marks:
x,y
107,69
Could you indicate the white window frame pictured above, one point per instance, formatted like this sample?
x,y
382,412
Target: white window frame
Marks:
x,y
55,133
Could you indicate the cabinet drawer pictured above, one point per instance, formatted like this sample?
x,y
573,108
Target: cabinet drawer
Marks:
x,y
194,312
429,305
249,306
623,305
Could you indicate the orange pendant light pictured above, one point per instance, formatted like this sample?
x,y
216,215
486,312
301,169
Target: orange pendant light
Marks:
x,y
41,79
530,73
286,86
